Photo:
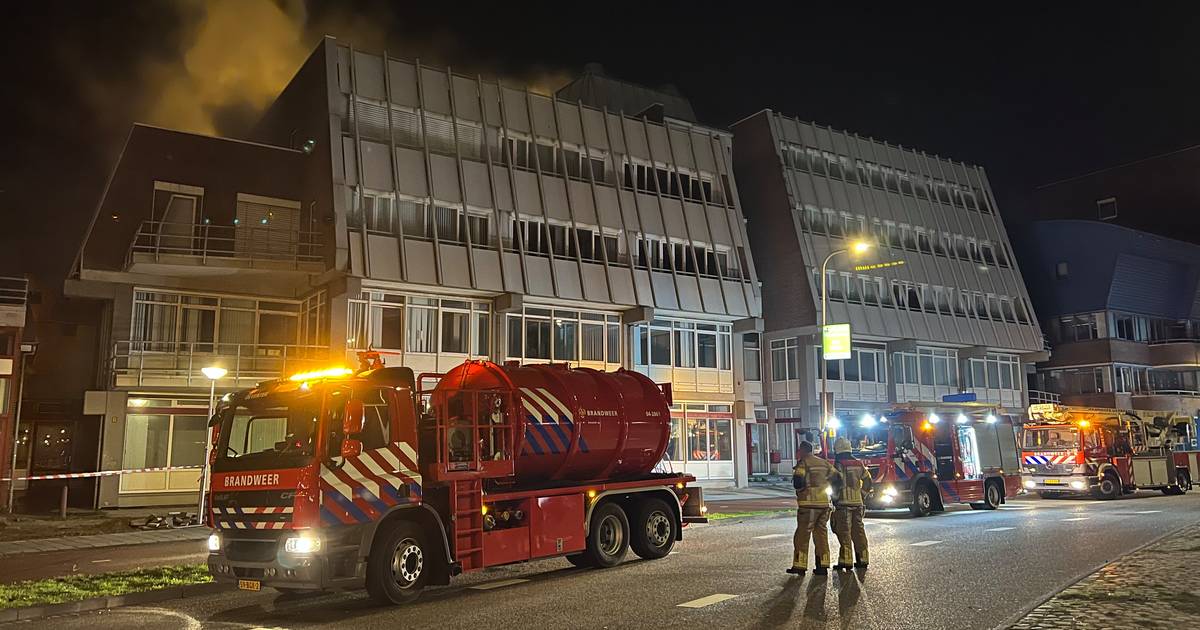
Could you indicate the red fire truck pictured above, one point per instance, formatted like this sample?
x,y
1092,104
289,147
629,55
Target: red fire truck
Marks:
x,y
337,479
1105,452
925,456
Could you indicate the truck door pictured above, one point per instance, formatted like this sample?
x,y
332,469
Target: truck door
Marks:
x,y
1120,453
943,451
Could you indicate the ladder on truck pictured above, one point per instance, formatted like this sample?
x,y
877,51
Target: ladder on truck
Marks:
x,y
466,507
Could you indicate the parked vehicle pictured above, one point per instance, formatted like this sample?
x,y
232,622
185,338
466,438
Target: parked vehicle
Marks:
x,y
925,456
339,479
1105,452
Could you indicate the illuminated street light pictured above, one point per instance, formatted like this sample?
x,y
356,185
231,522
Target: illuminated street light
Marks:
x,y
856,247
213,373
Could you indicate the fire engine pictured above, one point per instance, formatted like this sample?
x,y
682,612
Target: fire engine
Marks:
x,y
338,479
1105,452
923,456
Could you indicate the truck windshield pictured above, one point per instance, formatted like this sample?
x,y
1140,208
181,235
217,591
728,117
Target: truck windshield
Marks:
x,y
1050,438
868,442
271,432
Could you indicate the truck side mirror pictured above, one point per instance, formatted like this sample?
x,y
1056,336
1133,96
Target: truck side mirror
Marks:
x,y
351,448
353,417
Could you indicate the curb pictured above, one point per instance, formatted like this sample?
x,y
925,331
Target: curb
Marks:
x,y
31,613
1011,621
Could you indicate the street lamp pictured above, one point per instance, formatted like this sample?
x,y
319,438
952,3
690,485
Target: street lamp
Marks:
x,y
857,248
213,373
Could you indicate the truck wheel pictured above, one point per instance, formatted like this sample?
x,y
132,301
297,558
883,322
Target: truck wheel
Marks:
x,y
398,566
653,530
608,538
991,497
1108,488
922,502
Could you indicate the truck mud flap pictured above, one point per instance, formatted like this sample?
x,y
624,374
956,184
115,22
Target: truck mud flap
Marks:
x,y
694,510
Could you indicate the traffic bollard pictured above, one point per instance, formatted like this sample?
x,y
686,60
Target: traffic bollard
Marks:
x,y
62,503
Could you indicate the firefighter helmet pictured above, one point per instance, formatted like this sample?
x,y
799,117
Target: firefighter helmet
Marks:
x,y
841,445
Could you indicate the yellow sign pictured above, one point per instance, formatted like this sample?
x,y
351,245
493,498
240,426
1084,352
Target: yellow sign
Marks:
x,y
883,265
835,342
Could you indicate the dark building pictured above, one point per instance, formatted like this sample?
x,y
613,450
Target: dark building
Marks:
x,y
953,318
1159,194
1121,308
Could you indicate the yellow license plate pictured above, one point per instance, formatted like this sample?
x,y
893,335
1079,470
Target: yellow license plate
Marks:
x,y
1052,482
250,585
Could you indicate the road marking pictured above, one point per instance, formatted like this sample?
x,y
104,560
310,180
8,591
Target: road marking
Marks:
x,y
770,536
99,561
999,529
1077,518
1148,512
926,543
706,601
961,512
500,584
1016,507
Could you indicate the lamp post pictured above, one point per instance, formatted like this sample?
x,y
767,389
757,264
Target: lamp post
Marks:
x,y
213,373
857,247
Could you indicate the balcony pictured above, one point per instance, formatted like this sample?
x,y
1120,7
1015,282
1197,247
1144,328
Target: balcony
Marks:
x,y
164,364
14,295
1038,397
1175,353
203,249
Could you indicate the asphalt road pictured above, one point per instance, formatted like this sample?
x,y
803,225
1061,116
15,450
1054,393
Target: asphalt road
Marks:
x,y
36,566
960,569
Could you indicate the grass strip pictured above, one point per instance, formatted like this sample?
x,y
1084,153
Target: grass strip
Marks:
x,y
720,516
76,587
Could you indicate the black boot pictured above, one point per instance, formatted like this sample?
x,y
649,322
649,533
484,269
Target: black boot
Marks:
x,y
860,565
843,567
796,571
821,571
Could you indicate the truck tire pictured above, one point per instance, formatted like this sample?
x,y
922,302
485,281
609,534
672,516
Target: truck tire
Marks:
x,y
579,559
653,531
399,564
922,501
1109,487
992,497
1182,484
608,536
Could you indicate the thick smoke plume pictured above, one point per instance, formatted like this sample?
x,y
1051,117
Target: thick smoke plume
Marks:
x,y
235,56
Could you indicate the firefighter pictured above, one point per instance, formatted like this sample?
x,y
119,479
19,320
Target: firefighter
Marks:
x,y
811,478
852,482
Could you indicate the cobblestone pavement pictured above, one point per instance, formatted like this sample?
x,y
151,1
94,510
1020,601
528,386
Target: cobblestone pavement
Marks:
x,y
1155,587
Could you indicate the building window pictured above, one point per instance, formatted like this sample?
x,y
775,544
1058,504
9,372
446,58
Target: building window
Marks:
x,y
683,344
1078,327
1061,270
540,334
752,356
784,363
866,364
927,366
392,321
1106,209
994,371
212,324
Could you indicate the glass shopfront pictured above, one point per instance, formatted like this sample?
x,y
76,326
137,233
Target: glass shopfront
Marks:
x,y
701,440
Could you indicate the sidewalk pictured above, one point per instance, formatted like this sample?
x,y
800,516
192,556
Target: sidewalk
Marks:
x,y
1154,587
64,543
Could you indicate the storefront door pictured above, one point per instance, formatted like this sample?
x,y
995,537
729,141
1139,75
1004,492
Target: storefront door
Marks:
x,y
760,456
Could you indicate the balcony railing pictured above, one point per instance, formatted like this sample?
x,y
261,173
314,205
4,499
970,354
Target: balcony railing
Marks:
x,y
1040,397
159,240
178,364
14,291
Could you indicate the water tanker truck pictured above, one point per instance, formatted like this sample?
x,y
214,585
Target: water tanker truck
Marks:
x,y
342,479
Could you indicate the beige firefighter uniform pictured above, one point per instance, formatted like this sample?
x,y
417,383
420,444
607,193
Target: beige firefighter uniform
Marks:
x,y
812,512
849,508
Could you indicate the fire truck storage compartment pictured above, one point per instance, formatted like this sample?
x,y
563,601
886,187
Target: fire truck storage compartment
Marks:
x,y
557,525
997,447
502,546
1152,471
572,424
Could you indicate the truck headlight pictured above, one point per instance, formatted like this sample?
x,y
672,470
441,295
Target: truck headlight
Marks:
x,y
890,491
302,544
828,491
214,542
1031,484
1078,485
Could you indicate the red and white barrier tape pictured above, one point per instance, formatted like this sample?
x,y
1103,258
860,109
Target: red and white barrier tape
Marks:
x,y
102,473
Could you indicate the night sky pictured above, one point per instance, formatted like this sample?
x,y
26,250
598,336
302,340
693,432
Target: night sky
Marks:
x,y
1034,94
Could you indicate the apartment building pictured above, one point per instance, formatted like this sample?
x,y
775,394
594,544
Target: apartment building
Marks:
x,y
1122,311
15,345
953,318
385,204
